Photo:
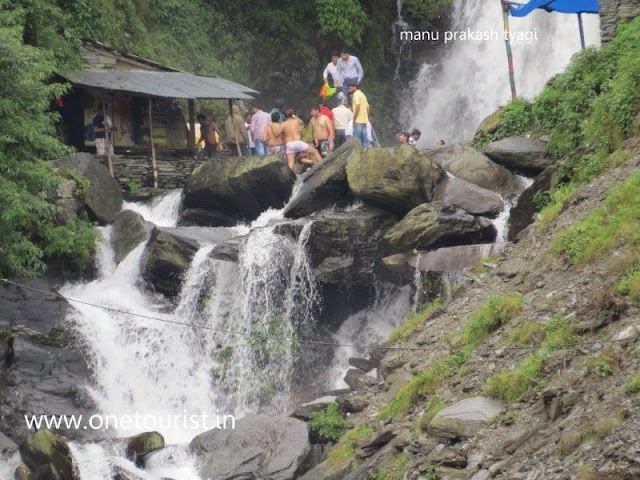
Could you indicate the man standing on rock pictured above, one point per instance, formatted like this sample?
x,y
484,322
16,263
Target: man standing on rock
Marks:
x,y
210,134
323,133
343,120
259,120
274,136
350,71
360,114
236,131
331,74
294,145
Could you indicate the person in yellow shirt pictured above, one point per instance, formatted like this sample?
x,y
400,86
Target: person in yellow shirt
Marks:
x,y
360,114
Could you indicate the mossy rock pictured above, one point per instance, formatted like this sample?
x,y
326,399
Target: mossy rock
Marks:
x,y
43,452
396,179
143,444
23,473
490,124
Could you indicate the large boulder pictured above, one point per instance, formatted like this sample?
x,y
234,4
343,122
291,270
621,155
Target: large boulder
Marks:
x,y
325,184
66,197
472,198
269,448
47,455
239,188
343,247
489,125
190,217
169,253
436,224
397,179
519,153
468,164
104,195
304,410
465,418
139,446
129,229
450,259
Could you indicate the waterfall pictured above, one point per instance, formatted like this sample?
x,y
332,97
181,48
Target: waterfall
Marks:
x,y
163,211
399,46
449,100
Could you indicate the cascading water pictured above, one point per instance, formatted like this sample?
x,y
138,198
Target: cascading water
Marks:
x,y
400,47
449,100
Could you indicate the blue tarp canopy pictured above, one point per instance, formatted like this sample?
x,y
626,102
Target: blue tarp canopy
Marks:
x,y
562,6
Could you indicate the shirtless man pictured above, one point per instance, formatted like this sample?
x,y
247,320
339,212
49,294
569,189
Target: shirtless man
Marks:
x,y
294,145
323,132
274,136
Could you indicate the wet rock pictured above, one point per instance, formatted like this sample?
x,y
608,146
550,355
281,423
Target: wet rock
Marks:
x,y
23,473
435,224
490,124
304,410
7,446
129,229
353,402
449,259
139,446
522,213
396,269
271,448
205,218
468,164
343,247
358,380
239,188
364,364
104,195
519,153
325,184
47,456
229,250
469,197
465,418
397,179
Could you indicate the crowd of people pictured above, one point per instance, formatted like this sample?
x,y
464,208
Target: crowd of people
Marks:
x,y
280,132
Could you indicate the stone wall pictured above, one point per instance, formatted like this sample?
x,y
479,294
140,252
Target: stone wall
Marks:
x,y
612,11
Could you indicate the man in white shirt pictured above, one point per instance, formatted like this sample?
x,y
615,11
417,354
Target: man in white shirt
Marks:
x,y
342,120
350,71
331,74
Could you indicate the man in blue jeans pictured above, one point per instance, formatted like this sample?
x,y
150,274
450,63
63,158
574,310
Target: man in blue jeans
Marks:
x,y
361,114
350,71
259,120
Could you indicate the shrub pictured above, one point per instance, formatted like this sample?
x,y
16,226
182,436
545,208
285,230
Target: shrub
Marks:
x,y
527,333
630,284
515,119
633,386
512,384
557,200
343,451
327,425
413,321
492,315
558,333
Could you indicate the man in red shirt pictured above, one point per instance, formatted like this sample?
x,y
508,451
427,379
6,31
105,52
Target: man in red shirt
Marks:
x,y
324,110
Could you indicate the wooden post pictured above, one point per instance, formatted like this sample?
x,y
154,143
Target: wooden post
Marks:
x,y
154,167
192,124
507,42
107,141
235,132
581,27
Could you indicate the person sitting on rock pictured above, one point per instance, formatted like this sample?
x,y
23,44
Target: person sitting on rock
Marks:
x,y
415,136
294,144
403,138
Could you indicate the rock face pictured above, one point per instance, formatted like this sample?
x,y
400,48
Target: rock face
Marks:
x,y
611,12
325,184
522,213
397,179
67,200
469,197
436,224
205,218
239,188
519,153
304,410
141,445
104,195
468,164
270,448
343,246
129,229
169,253
47,455
465,418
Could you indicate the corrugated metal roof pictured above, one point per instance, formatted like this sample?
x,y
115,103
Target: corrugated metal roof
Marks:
x,y
161,84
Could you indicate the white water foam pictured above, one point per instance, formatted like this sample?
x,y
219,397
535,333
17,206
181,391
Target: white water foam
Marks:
x,y
449,100
163,211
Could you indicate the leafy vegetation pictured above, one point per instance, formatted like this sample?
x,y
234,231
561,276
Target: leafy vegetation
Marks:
x,y
614,224
630,283
327,425
343,451
492,315
515,119
633,386
412,322
512,384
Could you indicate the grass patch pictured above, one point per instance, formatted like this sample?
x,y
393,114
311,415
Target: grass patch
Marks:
x,y
614,224
558,333
393,469
556,203
492,315
633,386
413,321
434,405
525,334
512,384
344,450
327,425
596,430
629,284
604,363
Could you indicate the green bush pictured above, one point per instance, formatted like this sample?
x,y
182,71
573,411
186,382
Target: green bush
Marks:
x,y
344,450
492,315
512,384
633,386
629,284
327,425
515,119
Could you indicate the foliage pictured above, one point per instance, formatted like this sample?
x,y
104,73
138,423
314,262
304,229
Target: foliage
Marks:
x,y
327,425
527,333
425,8
515,119
394,469
404,331
614,224
558,333
29,230
434,405
344,450
497,311
598,430
633,386
512,384
629,284
344,18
